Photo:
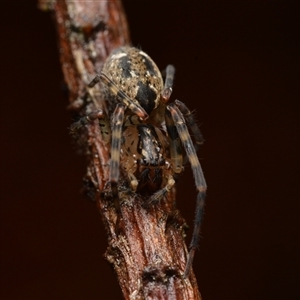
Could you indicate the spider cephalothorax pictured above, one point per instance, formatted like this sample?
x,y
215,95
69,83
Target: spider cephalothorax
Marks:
x,y
147,134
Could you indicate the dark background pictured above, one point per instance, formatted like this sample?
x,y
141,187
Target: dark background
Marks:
x,y
238,66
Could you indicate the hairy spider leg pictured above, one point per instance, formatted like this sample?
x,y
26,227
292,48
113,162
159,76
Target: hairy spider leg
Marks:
x,y
200,182
97,114
165,94
167,90
156,197
191,123
174,142
134,106
117,123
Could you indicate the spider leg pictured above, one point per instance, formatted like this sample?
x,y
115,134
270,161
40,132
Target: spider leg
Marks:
x,y
174,142
190,121
133,182
117,123
156,197
134,106
97,114
198,176
176,158
167,90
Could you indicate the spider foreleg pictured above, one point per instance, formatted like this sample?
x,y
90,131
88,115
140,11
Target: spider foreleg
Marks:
x,y
94,81
133,105
167,90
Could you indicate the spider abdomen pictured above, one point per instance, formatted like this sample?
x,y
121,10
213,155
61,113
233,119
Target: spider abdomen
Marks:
x,y
135,74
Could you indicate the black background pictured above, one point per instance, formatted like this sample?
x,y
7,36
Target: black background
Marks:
x,y
237,64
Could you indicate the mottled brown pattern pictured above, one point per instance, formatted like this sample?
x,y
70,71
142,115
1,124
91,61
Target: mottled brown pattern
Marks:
x,y
137,70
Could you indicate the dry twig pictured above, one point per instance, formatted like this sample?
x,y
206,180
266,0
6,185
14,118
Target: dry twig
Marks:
x,y
146,249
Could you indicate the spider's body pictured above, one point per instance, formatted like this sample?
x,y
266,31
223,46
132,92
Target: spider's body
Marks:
x,y
147,134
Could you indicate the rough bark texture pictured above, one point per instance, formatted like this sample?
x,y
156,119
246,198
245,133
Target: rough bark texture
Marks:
x,y
146,247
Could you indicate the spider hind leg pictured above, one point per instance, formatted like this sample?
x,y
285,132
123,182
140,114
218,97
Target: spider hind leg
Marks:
x,y
160,194
117,122
180,123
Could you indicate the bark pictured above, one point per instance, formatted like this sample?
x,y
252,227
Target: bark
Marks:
x,y
146,247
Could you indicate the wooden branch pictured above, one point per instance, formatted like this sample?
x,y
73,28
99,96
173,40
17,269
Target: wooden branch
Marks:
x,y
145,246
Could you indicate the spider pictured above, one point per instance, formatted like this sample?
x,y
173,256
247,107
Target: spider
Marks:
x,y
147,133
